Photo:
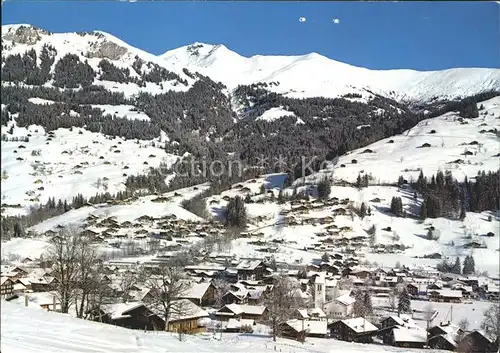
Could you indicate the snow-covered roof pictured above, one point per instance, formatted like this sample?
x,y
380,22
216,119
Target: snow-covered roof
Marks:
x,y
197,290
248,265
448,293
246,309
360,324
311,326
311,312
118,310
189,311
236,324
405,334
345,299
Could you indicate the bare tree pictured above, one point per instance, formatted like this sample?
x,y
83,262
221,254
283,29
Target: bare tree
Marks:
x,y
491,322
126,283
464,324
221,288
63,253
89,273
282,301
167,287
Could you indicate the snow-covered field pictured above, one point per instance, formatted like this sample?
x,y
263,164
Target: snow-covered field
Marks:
x,y
28,330
73,161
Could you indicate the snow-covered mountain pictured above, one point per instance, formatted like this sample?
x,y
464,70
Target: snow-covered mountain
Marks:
x,y
301,76
316,75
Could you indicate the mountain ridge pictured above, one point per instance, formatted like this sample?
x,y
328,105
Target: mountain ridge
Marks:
x,y
297,76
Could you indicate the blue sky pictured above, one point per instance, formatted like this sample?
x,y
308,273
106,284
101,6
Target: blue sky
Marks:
x,y
418,35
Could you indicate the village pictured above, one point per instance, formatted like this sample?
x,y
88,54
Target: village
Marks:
x,y
225,294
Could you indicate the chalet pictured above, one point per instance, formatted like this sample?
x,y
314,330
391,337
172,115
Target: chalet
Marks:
x,y
241,325
300,328
253,270
353,330
445,295
202,294
310,314
408,337
388,324
413,289
43,300
445,328
6,286
477,342
133,315
254,312
443,341
190,321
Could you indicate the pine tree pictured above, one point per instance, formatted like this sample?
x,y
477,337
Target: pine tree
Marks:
x,y
262,189
362,210
423,210
401,180
457,267
236,215
397,206
367,303
468,267
324,188
462,212
404,302
325,257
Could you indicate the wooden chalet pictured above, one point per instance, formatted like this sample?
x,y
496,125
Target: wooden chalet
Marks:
x,y
445,295
6,286
443,341
408,337
190,321
255,312
353,330
202,294
296,328
133,315
478,342
251,270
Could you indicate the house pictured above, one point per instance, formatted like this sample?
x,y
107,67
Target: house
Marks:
x,y
445,328
341,307
6,286
388,324
408,337
312,328
133,315
310,314
202,294
44,300
255,312
443,341
190,320
240,325
445,295
353,330
253,270
476,342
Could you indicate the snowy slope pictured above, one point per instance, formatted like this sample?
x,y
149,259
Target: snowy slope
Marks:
x,y
316,75
54,332
449,139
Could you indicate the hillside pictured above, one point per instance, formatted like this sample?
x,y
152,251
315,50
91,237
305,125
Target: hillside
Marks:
x,y
77,335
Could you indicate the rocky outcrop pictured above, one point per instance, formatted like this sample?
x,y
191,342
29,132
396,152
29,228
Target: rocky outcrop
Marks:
x,y
106,50
24,34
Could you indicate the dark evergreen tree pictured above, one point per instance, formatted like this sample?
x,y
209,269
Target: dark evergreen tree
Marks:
x,y
236,215
362,210
397,206
457,267
324,188
404,302
423,210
